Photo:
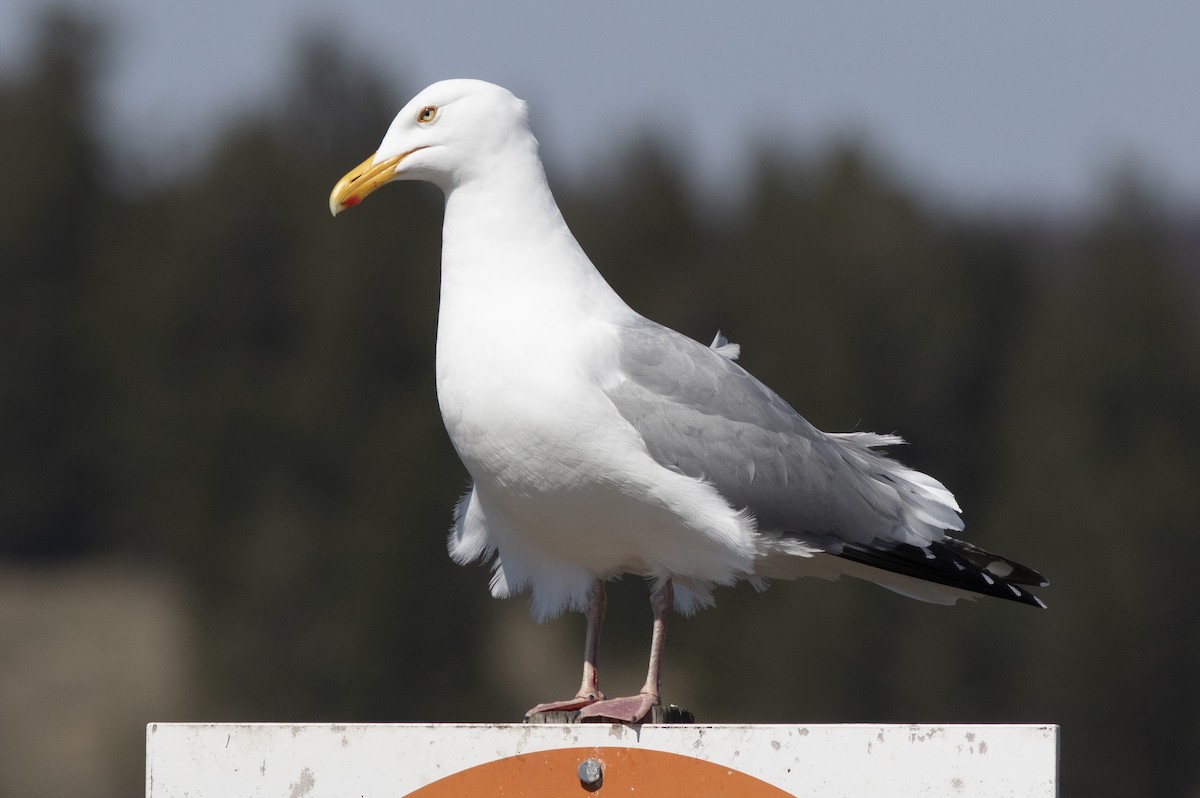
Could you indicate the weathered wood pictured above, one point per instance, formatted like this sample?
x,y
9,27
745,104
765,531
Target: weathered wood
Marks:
x,y
659,715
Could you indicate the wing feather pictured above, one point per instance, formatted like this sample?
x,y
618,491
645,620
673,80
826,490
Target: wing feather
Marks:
x,y
703,415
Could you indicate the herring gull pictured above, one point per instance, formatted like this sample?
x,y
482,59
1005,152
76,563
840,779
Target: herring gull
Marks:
x,y
601,443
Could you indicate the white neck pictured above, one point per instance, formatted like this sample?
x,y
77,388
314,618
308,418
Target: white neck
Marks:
x,y
505,239
520,301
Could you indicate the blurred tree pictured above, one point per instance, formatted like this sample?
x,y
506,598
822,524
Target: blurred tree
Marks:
x,y
272,417
1098,474
641,226
49,155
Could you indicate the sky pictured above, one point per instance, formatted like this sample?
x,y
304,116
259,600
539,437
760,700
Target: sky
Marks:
x,y
1014,103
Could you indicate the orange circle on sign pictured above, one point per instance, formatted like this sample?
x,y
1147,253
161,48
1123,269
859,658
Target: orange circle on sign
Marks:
x,y
555,774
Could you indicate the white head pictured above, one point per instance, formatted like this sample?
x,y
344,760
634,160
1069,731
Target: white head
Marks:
x,y
450,132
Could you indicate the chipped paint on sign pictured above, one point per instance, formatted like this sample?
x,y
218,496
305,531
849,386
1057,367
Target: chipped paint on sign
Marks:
x,y
378,760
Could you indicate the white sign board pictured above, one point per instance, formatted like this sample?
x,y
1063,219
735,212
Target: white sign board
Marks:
x,y
186,760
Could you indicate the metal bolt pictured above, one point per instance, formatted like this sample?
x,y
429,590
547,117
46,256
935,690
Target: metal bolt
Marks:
x,y
590,772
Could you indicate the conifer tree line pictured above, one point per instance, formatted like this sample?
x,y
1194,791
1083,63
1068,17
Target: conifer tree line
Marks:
x,y
201,370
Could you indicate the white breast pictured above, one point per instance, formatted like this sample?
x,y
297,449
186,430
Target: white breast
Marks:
x,y
564,488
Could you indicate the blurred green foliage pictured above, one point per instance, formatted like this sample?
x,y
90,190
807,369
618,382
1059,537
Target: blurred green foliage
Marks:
x,y
209,373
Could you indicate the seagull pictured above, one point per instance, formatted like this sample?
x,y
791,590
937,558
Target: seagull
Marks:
x,y
600,443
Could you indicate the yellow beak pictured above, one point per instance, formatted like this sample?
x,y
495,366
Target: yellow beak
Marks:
x,y
361,181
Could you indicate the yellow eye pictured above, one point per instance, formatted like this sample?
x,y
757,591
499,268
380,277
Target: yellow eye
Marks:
x,y
427,114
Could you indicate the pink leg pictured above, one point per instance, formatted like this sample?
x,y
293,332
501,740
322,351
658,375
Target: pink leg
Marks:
x,y
589,688
633,709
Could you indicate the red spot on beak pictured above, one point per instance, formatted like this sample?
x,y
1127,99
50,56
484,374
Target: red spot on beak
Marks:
x,y
351,201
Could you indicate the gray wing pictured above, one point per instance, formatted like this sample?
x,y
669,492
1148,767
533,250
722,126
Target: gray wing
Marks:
x,y
703,415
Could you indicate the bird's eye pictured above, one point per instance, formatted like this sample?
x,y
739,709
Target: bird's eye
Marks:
x,y
427,114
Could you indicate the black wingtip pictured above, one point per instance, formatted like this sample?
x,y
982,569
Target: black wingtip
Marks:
x,y
1008,570
956,564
